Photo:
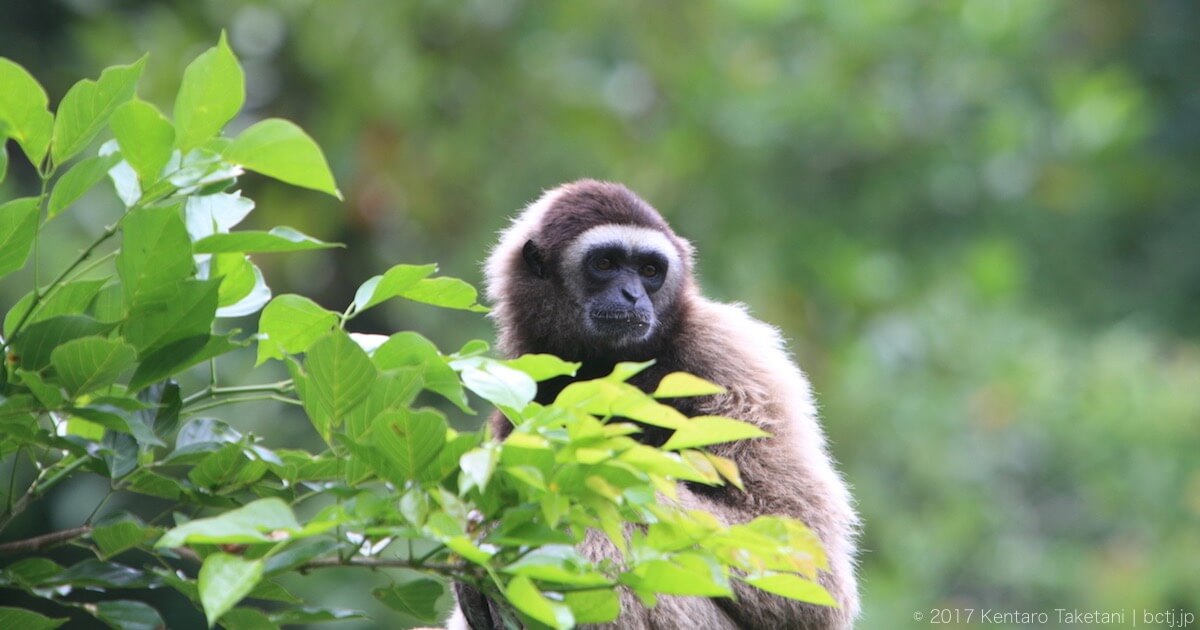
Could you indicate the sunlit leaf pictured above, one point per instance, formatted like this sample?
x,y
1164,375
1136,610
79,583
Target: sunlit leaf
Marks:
x,y
292,323
541,367
341,375
211,94
253,522
145,137
522,594
155,256
77,181
27,619
681,384
87,106
792,586
278,148
24,113
706,430
279,239
18,226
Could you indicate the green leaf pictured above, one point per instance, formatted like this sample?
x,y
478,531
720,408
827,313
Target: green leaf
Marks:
x,y
103,575
146,138
410,349
156,255
597,606
224,580
211,94
392,390
278,148
25,619
308,615
541,367
35,344
187,310
705,430
390,284
682,384
29,572
126,614
340,377
478,466
178,356
215,214
409,440
77,181
250,523
279,239
496,383
682,574
88,105
237,277
291,323
416,598
115,536
247,619
792,586
446,293
18,227
3,158
24,113
70,298
522,594
90,363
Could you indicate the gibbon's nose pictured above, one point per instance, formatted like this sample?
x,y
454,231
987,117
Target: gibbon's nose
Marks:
x,y
632,291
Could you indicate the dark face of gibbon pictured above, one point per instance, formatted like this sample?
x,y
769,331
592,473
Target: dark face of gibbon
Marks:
x,y
589,272
617,287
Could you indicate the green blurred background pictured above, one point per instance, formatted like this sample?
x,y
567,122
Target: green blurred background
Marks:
x,y
976,222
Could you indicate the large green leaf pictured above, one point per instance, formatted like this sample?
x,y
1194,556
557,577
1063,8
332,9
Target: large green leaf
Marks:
x,y
340,377
27,619
71,297
446,293
146,138
90,363
496,383
211,94
127,614
3,159
156,255
18,228
290,324
88,105
416,598
35,343
522,594
177,356
119,534
24,113
279,239
390,284
224,580
541,367
187,311
410,349
77,181
250,523
278,148
410,441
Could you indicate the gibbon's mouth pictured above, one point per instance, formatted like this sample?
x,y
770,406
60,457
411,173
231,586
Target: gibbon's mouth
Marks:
x,y
621,320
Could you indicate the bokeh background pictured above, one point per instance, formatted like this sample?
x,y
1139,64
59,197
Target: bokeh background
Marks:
x,y
977,222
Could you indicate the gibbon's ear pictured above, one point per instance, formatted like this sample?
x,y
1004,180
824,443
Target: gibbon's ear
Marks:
x,y
533,258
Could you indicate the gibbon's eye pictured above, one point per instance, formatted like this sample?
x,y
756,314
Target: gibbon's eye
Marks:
x,y
649,271
604,264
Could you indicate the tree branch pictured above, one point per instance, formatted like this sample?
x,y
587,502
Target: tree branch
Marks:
x,y
45,540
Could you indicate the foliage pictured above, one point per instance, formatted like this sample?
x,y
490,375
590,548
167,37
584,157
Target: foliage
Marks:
x,y
92,359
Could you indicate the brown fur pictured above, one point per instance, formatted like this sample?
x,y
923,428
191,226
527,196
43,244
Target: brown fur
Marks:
x,y
790,474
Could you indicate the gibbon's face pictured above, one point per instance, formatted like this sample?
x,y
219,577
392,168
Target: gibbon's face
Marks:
x,y
623,279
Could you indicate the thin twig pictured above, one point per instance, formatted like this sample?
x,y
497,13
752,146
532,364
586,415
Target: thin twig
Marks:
x,y
45,540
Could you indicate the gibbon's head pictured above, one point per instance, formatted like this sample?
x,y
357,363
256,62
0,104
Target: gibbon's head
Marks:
x,y
589,270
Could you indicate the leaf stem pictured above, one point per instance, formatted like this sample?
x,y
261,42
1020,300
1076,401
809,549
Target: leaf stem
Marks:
x,y
281,387
235,400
